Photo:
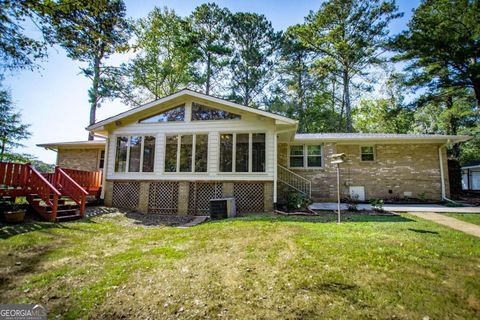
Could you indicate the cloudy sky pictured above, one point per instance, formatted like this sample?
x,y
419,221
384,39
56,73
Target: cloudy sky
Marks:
x,y
54,99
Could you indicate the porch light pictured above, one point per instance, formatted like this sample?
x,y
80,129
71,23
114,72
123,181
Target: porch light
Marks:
x,y
337,159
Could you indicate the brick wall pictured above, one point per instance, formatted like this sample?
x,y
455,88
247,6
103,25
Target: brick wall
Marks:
x,y
397,168
80,159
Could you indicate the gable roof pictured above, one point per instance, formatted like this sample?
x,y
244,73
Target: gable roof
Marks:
x,y
191,93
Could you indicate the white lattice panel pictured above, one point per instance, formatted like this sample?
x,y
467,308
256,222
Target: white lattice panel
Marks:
x,y
126,194
199,196
249,197
163,197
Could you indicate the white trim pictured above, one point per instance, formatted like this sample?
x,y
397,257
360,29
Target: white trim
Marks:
x,y
374,152
195,95
105,169
305,156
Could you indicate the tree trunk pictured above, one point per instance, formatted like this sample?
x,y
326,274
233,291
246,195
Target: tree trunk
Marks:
x,y
452,127
476,89
94,94
209,72
348,107
2,154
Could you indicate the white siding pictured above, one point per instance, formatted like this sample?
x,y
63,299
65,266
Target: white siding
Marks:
x,y
248,123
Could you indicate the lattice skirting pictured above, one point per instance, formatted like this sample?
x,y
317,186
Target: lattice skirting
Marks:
x,y
163,197
126,194
249,197
199,195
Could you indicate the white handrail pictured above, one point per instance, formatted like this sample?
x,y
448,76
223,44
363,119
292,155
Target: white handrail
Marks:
x,y
294,180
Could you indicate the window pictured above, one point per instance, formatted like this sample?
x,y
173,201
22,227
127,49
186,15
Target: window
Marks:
x,y
367,153
135,153
174,114
101,161
121,154
201,112
242,152
305,156
186,153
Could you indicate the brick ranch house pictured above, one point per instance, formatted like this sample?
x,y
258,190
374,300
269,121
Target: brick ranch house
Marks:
x,y
174,154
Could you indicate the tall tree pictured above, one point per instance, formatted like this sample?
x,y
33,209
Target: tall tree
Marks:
x,y
91,31
164,58
210,35
17,50
442,46
349,36
255,44
12,129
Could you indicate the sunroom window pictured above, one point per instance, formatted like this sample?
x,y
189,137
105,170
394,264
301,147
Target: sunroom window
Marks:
x,y
186,153
201,112
305,156
242,152
175,114
135,154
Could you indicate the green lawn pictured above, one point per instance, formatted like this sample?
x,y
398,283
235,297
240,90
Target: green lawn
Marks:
x,y
260,267
468,217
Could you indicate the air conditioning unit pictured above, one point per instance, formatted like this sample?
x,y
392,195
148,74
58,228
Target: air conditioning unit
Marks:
x,y
222,208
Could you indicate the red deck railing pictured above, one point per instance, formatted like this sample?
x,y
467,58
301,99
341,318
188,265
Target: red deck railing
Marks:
x,y
91,181
37,184
69,187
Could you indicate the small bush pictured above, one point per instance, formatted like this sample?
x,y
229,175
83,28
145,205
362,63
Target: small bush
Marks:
x,y
377,204
297,201
352,202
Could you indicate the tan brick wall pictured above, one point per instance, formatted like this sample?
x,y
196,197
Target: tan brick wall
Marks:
x,y
80,159
397,167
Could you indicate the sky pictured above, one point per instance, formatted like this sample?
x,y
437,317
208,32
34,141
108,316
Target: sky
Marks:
x,y
54,100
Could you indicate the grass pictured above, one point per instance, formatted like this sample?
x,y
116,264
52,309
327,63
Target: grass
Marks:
x,y
258,266
467,217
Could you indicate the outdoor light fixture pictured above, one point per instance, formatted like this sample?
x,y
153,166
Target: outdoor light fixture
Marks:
x,y
337,159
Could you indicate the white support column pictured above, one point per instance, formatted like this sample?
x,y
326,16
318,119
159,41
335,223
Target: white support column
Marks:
x,y
275,165
105,167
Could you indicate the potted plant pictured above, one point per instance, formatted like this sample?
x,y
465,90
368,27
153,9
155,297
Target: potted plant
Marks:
x,y
14,213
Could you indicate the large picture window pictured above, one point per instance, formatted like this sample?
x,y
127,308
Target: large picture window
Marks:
x,y
305,156
242,152
135,154
175,114
186,153
201,112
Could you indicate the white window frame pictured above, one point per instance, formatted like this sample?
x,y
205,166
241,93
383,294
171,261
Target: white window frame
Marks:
x,y
373,152
234,151
127,163
100,158
305,156
194,150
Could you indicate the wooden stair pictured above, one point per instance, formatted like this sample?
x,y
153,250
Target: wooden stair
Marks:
x,y
55,197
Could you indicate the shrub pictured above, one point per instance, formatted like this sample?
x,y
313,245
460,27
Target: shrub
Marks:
x,y
377,204
296,201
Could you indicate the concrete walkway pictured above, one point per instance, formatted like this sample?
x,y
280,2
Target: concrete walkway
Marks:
x,y
453,223
399,207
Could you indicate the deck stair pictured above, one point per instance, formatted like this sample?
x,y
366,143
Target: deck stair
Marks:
x,y
55,196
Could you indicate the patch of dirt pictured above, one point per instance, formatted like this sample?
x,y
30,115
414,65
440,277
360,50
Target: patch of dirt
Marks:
x,y
153,219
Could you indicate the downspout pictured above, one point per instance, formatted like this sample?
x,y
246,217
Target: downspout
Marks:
x,y
442,174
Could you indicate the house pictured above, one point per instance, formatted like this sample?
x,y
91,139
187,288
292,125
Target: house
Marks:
x,y
471,176
174,154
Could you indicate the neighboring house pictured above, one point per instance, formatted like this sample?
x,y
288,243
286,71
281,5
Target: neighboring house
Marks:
x,y
174,154
471,176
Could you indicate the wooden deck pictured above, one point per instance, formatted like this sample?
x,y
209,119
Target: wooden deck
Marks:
x,y
56,196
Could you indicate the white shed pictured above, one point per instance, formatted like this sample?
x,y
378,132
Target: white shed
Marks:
x,y
471,176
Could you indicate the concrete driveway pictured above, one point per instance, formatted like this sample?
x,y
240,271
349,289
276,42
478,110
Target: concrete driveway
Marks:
x,y
398,207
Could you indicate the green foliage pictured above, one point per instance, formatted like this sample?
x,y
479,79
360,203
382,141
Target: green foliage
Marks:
x,y
297,201
12,129
441,45
211,38
28,158
348,37
377,204
90,31
17,50
251,68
